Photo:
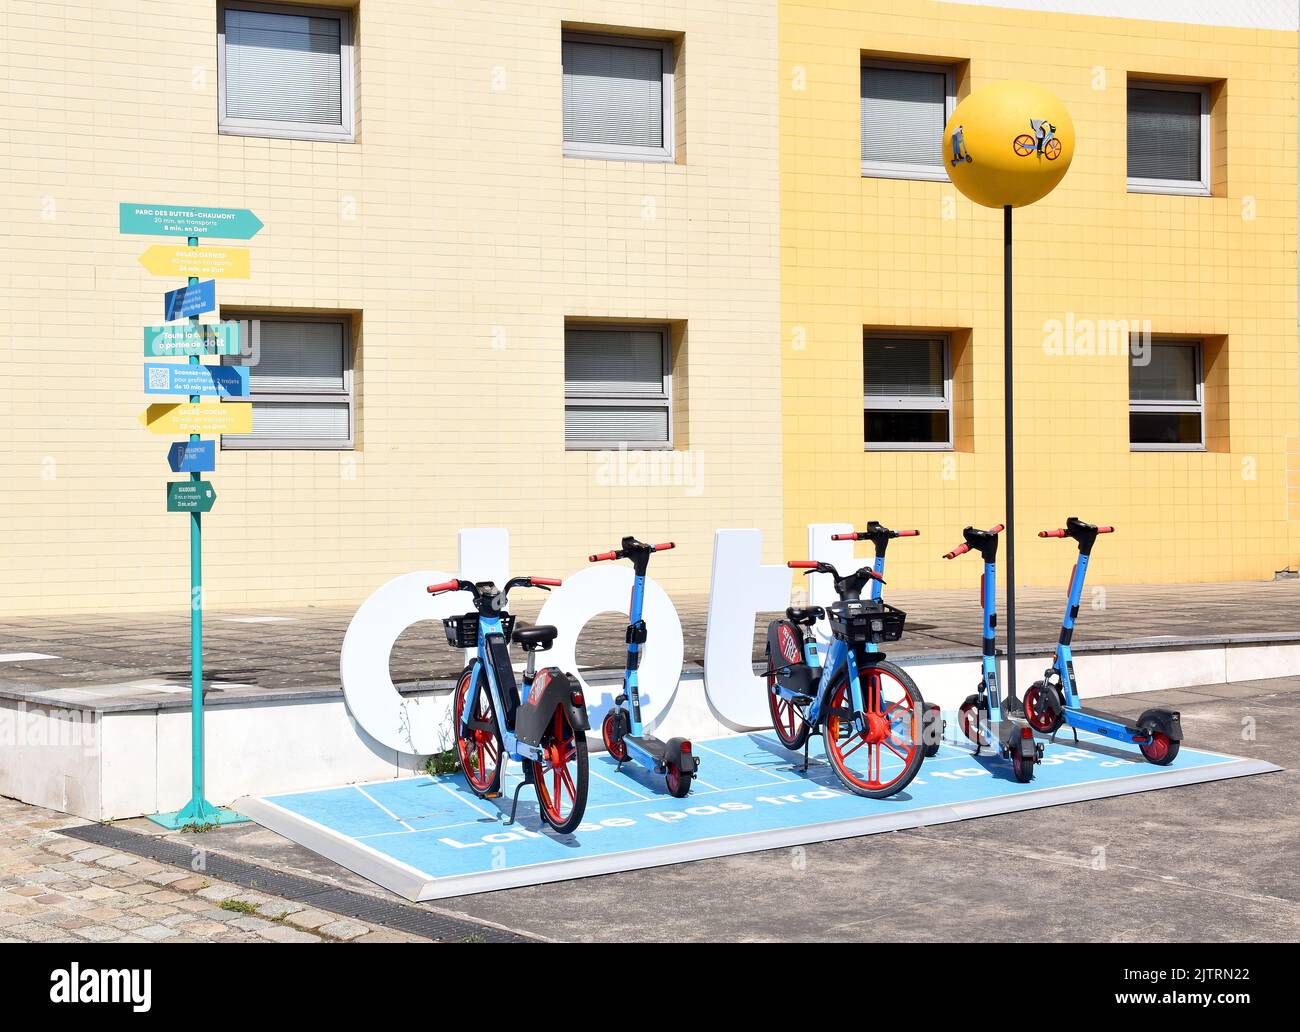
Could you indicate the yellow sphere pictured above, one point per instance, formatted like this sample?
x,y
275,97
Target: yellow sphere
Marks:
x,y
1008,143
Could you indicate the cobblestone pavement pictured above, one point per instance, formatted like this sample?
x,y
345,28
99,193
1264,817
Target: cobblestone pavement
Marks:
x,y
57,889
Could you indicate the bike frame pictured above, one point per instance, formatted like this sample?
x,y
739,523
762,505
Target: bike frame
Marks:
x,y
482,665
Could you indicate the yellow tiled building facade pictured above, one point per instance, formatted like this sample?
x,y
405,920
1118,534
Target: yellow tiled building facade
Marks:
x,y
861,251
458,211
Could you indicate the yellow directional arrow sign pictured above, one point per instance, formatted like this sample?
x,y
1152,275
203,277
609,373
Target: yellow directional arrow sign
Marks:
x,y
189,418
207,262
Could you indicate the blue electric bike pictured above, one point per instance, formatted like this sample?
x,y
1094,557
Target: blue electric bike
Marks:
x,y
1054,701
544,726
868,711
982,716
624,735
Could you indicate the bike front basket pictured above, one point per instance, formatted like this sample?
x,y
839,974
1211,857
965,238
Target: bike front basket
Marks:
x,y
462,631
862,623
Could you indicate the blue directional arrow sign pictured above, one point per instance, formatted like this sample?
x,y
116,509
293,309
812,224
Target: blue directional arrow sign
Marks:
x,y
192,456
187,221
219,381
191,300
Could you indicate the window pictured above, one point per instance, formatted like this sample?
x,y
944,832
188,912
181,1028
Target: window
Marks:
x,y
1168,138
904,109
906,392
617,387
1166,396
285,71
618,98
300,381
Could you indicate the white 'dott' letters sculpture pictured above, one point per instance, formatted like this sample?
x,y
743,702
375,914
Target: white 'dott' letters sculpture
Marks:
x,y
410,725
740,588
608,589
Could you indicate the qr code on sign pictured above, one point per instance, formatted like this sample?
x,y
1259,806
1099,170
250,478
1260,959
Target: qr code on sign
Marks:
x,y
159,380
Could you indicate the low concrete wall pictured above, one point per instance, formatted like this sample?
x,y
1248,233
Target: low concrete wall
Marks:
x,y
127,762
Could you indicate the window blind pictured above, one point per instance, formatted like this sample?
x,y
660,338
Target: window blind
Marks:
x,y
613,94
617,363
902,368
590,424
903,115
283,67
312,421
1164,134
299,356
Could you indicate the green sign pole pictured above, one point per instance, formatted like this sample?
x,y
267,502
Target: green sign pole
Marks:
x,y
198,812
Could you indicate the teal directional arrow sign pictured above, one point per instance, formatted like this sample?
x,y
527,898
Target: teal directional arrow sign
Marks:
x,y
187,221
190,496
191,339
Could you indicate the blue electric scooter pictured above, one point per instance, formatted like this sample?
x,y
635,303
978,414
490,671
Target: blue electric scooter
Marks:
x,y
1054,701
982,716
625,736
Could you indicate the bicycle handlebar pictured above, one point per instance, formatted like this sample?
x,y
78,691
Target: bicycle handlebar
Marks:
x,y
437,589
961,549
812,565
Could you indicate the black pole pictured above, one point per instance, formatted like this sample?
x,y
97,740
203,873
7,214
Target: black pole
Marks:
x,y
1008,425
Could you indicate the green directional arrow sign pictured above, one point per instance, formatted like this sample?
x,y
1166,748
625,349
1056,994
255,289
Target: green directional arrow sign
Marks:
x,y
190,496
187,221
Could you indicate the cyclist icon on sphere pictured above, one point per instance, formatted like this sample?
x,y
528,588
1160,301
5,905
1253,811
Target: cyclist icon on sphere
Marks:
x,y
1043,141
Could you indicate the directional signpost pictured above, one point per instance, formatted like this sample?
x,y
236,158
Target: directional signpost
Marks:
x,y
194,381
219,381
183,302
221,262
190,496
192,456
174,220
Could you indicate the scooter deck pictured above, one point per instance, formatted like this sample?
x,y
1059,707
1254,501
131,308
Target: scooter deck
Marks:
x,y
648,746
1099,722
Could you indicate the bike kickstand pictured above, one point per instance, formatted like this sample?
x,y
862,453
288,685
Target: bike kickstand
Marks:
x,y
804,768
514,803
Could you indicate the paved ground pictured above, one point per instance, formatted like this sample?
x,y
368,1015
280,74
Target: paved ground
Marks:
x,y
144,659
1210,862
58,889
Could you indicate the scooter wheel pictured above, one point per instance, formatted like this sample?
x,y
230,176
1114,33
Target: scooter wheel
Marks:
x,y
1162,749
932,729
1022,767
969,717
613,740
678,782
1037,713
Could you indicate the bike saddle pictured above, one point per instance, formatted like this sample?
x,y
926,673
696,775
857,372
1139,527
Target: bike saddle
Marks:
x,y
535,638
805,615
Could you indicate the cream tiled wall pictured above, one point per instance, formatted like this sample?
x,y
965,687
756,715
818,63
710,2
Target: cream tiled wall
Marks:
x,y
460,236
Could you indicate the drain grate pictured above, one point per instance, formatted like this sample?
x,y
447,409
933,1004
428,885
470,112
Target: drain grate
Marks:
x,y
370,909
